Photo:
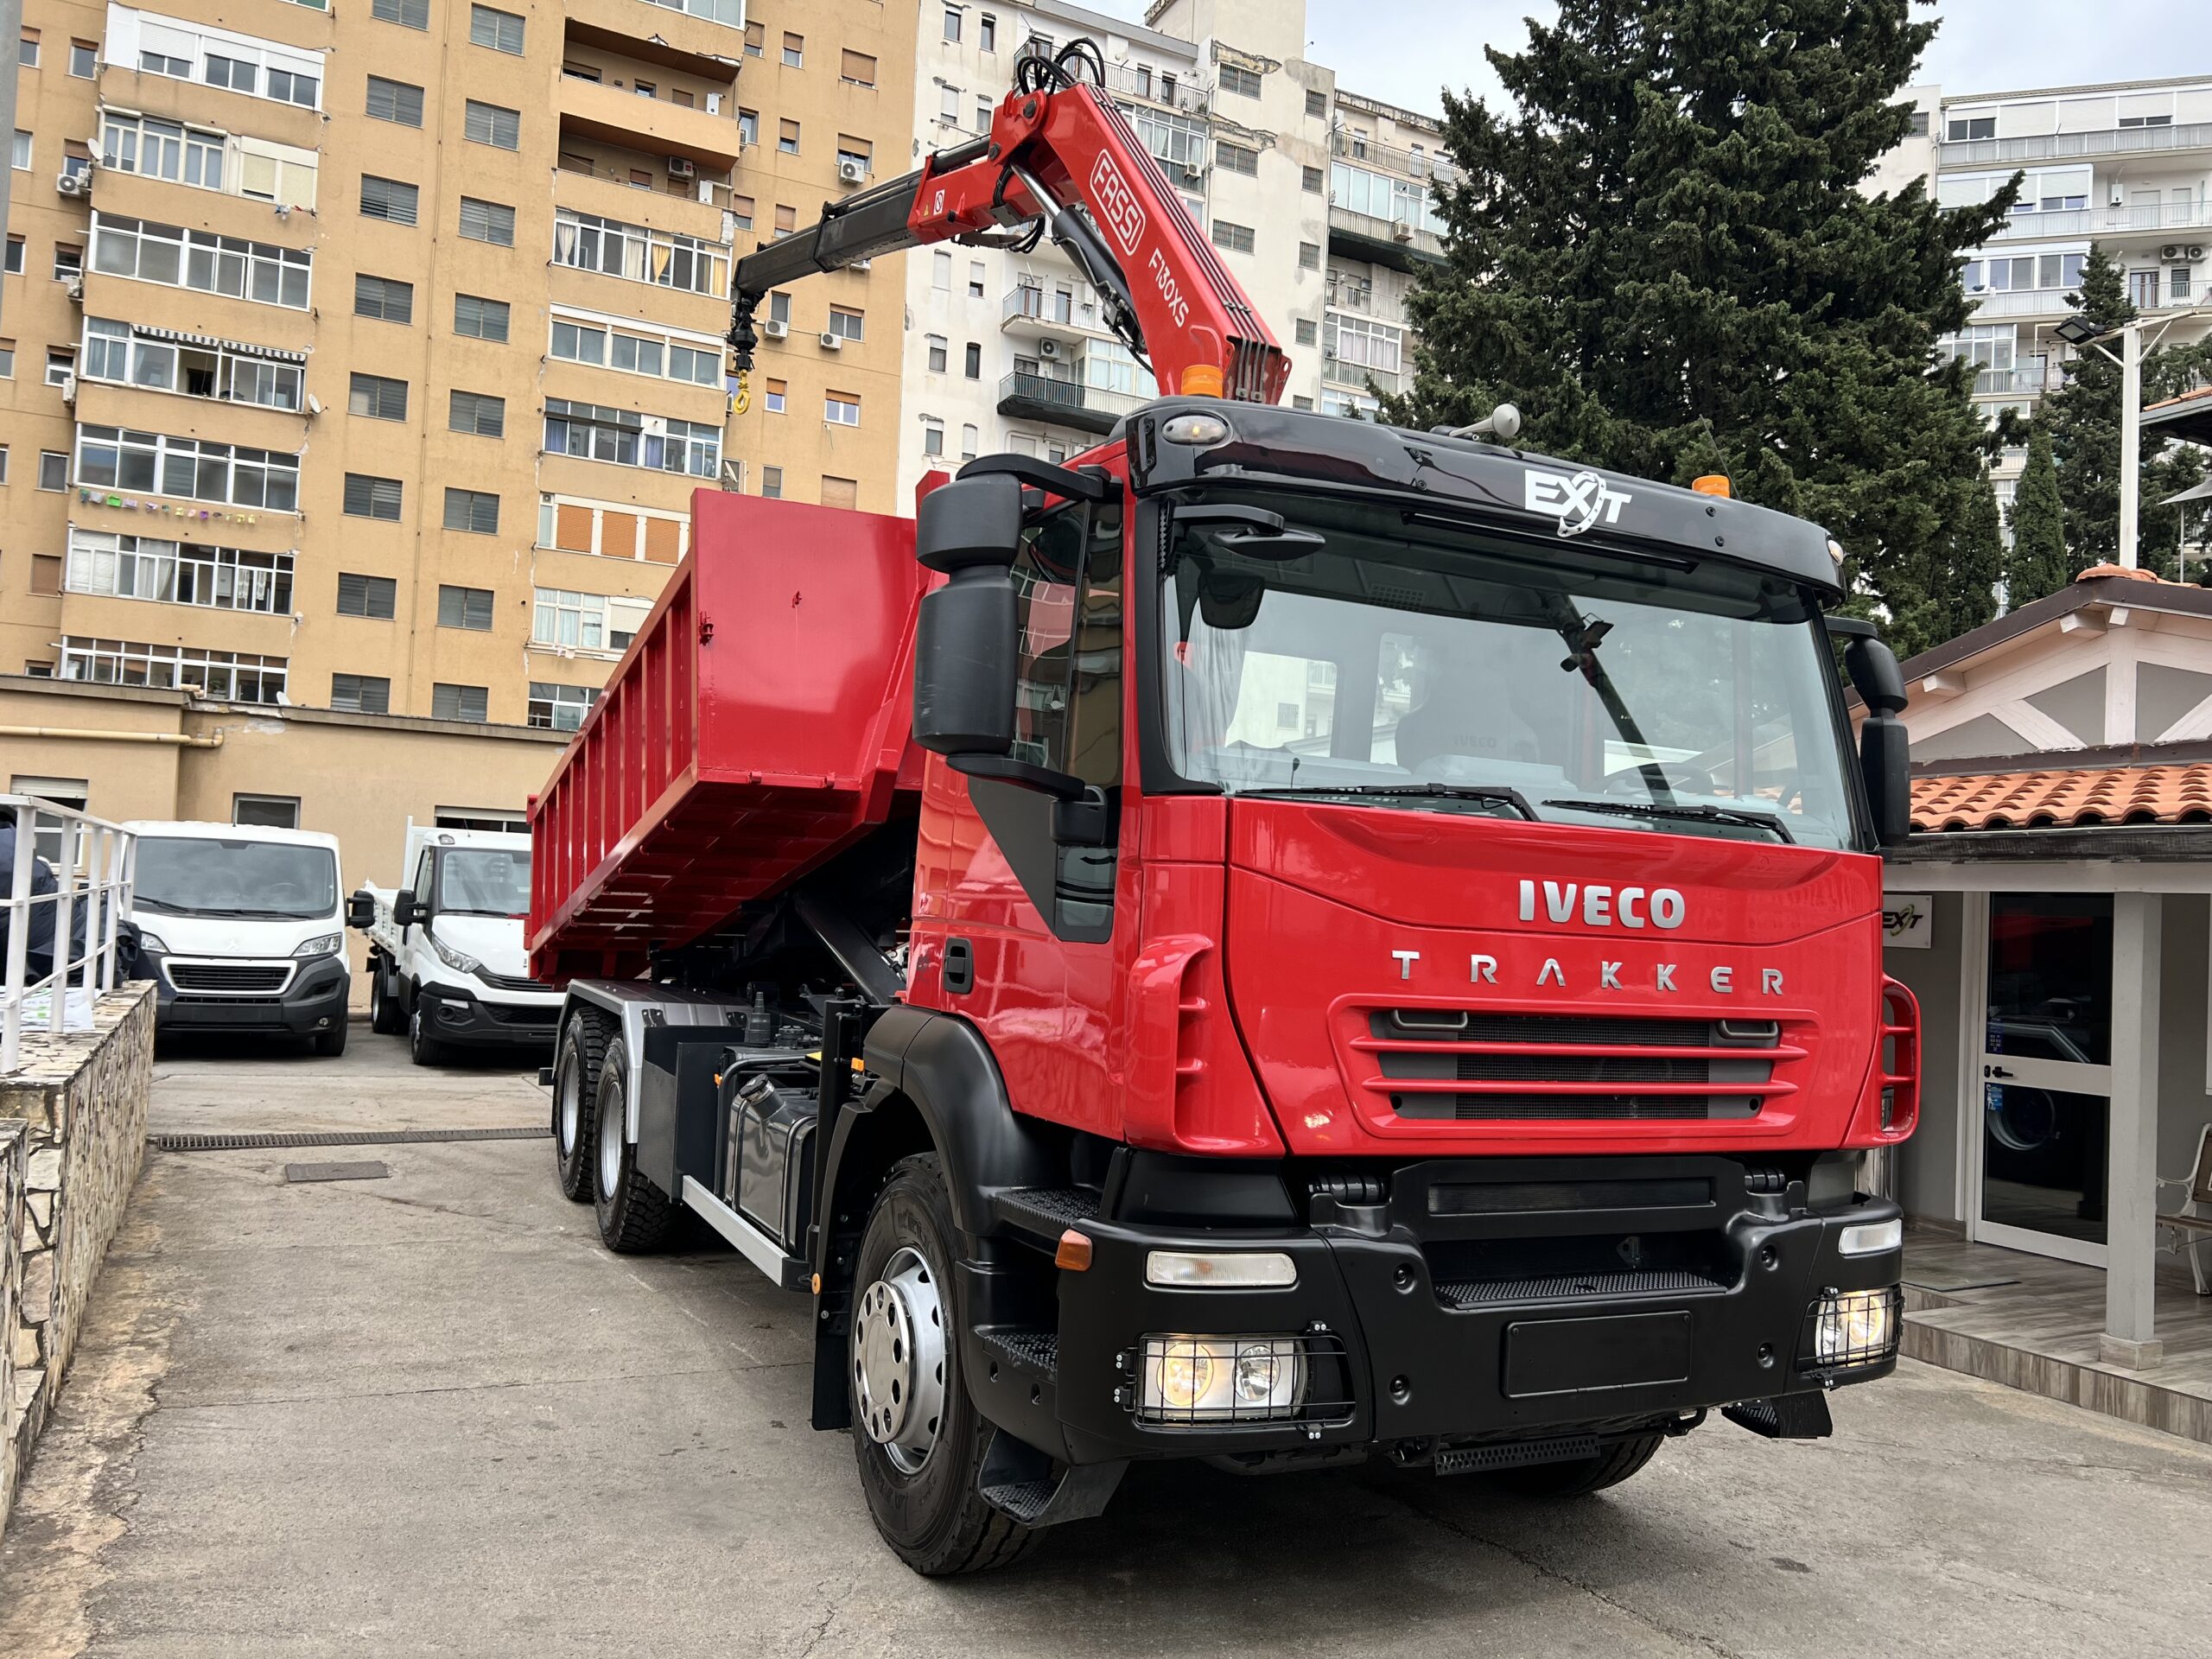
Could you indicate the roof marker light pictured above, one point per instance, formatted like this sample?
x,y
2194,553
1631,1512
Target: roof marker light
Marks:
x,y
1195,429
1712,484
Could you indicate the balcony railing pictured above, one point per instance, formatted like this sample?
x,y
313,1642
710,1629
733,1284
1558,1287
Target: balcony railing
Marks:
x,y
1997,382
1345,373
1378,238
1131,81
2106,221
2023,303
1064,403
1409,163
2065,146
1048,309
712,192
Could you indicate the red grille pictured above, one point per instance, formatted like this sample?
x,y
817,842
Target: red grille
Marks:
x,y
1468,1066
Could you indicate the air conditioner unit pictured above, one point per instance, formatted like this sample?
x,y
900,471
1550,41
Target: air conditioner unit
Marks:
x,y
851,172
773,330
1401,231
68,388
73,184
74,287
1048,349
680,166
2196,250
832,342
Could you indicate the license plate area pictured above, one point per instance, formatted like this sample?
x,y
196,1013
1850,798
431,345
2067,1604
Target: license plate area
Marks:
x,y
1620,1350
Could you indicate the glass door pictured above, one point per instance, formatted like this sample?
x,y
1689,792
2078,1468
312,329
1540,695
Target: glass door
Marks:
x,y
2046,1075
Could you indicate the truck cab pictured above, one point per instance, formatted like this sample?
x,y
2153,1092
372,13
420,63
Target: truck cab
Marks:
x,y
241,928
447,962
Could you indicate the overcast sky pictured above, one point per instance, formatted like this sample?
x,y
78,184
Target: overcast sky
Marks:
x,y
1402,50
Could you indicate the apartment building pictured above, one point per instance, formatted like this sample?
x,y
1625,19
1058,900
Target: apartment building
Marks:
x,y
2128,168
1319,201
366,359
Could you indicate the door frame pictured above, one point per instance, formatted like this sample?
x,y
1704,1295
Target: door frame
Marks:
x,y
1973,1032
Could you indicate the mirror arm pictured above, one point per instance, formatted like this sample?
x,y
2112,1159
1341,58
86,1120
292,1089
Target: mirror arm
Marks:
x,y
1022,774
1090,484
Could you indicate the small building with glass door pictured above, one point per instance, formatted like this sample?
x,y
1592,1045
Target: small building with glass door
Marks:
x,y
2053,913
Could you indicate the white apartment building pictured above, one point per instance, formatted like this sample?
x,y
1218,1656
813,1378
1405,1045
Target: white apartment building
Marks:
x,y
2125,167
1318,201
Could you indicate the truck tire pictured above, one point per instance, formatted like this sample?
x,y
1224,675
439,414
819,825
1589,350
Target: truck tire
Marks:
x,y
919,1474
1579,1477
387,1018
423,1048
634,1215
332,1043
576,1104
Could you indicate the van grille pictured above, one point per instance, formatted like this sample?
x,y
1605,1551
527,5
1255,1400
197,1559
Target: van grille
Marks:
x,y
263,978
1467,1066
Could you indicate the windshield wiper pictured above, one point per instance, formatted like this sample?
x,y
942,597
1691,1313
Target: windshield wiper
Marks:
x,y
140,901
1489,794
1765,821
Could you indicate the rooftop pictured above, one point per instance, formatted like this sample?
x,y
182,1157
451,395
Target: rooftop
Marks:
x,y
2061,797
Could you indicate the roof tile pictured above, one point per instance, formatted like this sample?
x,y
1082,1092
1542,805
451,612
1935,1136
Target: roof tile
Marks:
x,y
2064,798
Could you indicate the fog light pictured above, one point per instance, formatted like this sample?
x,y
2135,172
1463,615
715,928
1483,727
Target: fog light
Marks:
x,y
1871,1237
1220,1379
1852,1328
1220,1270
453,1014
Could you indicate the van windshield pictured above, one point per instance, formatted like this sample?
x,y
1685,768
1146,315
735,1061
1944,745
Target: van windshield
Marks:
x,y
483,881
202,875
1389,660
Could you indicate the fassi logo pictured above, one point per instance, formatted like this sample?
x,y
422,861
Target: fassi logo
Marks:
x,y
1118,207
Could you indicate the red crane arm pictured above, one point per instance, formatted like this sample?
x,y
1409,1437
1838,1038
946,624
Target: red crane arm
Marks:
x,y
1070,159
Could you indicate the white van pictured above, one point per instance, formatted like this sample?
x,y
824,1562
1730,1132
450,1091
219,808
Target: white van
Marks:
x,y
242,928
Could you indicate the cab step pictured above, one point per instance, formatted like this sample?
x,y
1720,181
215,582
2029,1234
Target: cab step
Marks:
x,y
1045,1212
1034,1352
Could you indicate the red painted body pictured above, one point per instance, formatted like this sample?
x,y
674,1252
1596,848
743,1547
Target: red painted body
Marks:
x,y
1229,1014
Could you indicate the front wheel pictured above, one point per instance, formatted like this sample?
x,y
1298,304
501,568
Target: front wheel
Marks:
x,y
1579,1476
423,1048
332,1043
919,1441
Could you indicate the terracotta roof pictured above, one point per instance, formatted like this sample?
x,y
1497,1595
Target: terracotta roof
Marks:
x,y
2059,798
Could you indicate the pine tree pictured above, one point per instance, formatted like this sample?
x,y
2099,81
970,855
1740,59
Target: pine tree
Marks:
x,y
1665,256
2084,417
2039,565
1977,564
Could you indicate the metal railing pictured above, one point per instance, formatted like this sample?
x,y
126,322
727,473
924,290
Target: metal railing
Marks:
x,y
1410,163
1347,373
2106,221
705,189
2056,146
69,886
1990,382
1067,394
1189,96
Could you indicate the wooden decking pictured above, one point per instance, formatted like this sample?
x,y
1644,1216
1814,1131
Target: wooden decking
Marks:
x,y
2032,1323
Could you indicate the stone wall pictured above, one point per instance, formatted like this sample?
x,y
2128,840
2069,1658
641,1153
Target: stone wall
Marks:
x,y
82,1101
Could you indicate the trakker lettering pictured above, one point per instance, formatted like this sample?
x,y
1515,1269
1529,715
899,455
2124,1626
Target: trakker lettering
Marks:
x,y
1482,970
1603,907
1576,499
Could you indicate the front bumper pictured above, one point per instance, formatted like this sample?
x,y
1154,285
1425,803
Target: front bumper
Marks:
x,y
1466,1307
451,1014
314,1000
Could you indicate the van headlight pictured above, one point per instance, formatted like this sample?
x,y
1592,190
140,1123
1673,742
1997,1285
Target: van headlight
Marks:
x,y
459,960
323,944
1220,1379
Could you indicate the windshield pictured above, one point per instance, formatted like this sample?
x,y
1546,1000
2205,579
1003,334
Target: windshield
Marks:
x,y
1419,664
476,881
200,876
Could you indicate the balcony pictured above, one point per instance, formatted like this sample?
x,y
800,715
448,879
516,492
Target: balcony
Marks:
x,y
708,192
1999,383
615,115
1398,244
2072,146
596,187
1064,403
1389,158
638,25
1338,371
198,105
2105,222
2024,303
1036,312
1128,80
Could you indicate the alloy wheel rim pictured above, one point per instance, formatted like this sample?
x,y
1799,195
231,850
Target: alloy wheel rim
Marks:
x,y
898,1360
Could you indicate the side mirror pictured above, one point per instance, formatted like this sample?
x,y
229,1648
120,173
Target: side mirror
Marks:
x,y
966,645
403,913
360,909
1885,757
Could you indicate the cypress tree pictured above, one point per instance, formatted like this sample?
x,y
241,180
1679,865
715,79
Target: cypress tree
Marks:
x,y
1664,254
2039,565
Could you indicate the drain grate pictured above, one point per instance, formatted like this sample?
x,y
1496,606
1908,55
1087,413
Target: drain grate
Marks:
x,y
336,1138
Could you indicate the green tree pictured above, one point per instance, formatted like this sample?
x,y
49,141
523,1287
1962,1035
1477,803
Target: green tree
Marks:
x,y
1663,256
2039,565
2084,417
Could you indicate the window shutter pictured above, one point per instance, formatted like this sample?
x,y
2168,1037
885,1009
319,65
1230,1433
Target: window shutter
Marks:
x,y
477,611
664,540
618,534
572,528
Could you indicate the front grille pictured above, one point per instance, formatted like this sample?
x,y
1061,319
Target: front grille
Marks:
x,y
263,978
508,983
1474,1065
1650,1281
507,1015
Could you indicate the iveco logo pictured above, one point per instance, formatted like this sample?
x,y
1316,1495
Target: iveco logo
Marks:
x,y
1117,204
1603,907
1577,502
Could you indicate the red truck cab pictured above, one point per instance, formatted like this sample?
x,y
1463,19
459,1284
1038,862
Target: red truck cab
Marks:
x,y
1381,957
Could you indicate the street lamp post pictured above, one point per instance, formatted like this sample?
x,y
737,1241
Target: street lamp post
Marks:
x,y
2079,333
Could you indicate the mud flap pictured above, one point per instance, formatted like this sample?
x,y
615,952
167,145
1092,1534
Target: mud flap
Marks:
x,y
1020,1481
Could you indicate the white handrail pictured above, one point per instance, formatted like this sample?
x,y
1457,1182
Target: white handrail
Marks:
x,y
93,867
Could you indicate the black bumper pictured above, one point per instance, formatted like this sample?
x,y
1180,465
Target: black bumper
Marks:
x,y
315,1002
1482,1300
459,1017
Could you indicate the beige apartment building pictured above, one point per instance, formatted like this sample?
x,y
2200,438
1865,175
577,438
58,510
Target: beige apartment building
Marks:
x,y
366,360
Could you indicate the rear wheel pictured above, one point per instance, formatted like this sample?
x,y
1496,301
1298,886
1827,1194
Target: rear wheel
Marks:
x,y
576,1085
919,1440
1579,1476
634,1215
386,1017
423,1048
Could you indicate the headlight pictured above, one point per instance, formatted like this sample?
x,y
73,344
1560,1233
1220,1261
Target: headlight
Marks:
x,y
1871,1237
1854,1328
460,962
1220,1269
1220,1379
152,942
323,944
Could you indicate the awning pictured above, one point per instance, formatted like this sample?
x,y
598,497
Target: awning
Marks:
x,y
236,348
2188,415
2195,493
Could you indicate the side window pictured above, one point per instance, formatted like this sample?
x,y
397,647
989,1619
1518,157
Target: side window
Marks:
x,y
1095,703
1068,602
422,878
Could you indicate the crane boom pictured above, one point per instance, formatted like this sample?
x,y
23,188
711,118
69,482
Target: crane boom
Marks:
x,y
1061,160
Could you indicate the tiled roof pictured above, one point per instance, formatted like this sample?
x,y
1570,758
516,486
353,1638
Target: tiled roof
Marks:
x,y
2063,799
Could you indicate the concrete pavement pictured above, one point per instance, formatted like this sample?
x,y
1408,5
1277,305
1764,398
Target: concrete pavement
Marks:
x,y
429,1415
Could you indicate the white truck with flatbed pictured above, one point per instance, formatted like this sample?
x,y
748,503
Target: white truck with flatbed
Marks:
x,y
447,963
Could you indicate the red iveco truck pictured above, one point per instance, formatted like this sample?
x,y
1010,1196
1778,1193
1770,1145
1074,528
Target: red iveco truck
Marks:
x,y
1284,941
